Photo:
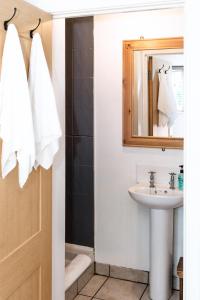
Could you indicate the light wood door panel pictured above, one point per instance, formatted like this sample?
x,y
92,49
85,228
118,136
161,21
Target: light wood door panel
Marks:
x,y
26,240
25,220
30,289
19,215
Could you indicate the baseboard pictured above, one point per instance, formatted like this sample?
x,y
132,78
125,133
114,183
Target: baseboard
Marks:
x,y
122,273
128,274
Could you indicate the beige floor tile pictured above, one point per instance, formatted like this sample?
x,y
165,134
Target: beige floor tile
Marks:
x,y
80,297
116,289
146,295
175,295
93,285
85,277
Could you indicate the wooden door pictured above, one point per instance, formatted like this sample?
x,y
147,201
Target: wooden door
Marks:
x,y
25,217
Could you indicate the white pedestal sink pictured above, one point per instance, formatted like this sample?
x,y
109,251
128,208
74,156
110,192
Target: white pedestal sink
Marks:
x,y
161,200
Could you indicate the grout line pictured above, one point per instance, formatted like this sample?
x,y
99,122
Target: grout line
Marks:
x,y
144,292
128,280
87,270
100,287
77,135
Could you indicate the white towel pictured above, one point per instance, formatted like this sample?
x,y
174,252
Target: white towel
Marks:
x,y
16,125
45,117
166,101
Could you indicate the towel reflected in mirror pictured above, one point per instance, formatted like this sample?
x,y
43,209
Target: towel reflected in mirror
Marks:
x,y
166,100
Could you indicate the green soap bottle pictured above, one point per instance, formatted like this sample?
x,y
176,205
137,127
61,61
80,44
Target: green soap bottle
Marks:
x,y
181,178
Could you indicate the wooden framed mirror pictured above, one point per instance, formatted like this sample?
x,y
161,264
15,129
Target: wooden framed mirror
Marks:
x,y
153,93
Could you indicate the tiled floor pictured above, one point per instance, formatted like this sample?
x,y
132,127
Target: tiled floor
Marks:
x,y
105,288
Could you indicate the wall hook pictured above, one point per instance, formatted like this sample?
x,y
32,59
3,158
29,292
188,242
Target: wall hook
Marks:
x,y
159,71
7,21
167,70
32,31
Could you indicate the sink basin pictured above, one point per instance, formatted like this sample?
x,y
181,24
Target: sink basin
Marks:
x,y
161,201
160,197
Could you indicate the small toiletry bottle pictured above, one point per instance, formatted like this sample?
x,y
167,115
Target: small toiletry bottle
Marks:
x,y
180,179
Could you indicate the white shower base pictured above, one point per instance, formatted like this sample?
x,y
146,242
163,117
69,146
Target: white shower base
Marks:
x,y
77,260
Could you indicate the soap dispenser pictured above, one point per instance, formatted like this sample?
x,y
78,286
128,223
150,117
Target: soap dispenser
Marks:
x,y
180,178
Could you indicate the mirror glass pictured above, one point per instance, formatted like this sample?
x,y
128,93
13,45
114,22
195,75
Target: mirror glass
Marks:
x,y
158,93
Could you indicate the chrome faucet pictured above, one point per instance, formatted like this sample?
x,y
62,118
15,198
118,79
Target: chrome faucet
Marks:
x,y
172,181
152,179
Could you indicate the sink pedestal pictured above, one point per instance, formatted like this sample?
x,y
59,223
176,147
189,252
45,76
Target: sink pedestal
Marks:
x,y
161,251
161,202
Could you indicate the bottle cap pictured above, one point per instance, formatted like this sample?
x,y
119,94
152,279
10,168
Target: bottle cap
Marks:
x,y
181,169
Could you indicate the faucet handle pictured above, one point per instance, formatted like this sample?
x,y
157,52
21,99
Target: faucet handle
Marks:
x,y
172,180
151,172
172,174
152,179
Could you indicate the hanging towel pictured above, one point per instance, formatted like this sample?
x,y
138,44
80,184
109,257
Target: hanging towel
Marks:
x,y
166,100
45,117
16,125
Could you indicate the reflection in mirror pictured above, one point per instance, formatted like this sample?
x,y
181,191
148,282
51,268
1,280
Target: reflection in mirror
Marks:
x,y
158,93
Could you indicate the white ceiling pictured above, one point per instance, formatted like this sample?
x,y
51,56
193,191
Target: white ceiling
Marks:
x,y
85,7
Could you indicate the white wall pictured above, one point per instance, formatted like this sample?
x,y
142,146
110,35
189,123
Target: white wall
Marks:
x,y
122,226
58,68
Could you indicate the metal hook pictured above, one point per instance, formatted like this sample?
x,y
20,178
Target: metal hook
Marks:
x,y
161,68
167,70
7,21
32,31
